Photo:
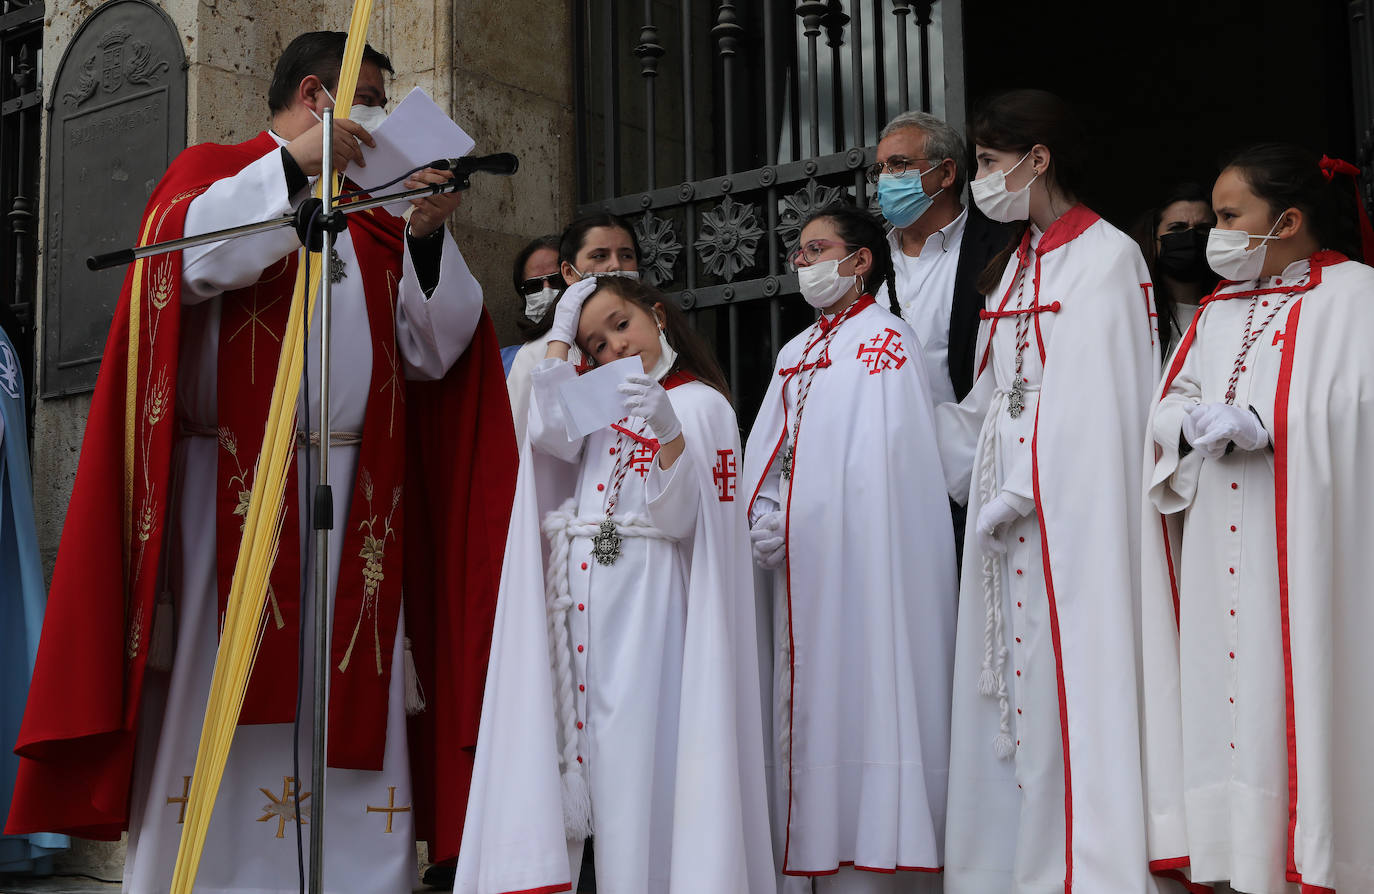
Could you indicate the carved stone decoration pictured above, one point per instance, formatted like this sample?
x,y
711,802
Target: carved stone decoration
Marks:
x,y
798,206
119,60
810,12
729,238
117,119
658,248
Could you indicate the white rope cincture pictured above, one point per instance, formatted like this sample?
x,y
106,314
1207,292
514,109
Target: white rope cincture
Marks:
x,y
992,679
561,526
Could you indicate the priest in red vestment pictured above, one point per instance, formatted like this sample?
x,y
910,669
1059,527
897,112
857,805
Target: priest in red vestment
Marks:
x,y
422,466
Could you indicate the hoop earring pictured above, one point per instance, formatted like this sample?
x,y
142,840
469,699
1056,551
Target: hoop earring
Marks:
x,y
861,284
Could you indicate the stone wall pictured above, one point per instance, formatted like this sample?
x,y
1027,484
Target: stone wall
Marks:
x,y
503,68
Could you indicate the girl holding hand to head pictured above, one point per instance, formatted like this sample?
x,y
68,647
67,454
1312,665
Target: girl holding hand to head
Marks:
x,y
600,245
622,692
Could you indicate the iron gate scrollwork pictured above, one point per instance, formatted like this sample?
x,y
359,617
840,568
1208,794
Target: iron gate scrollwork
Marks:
x,y
21,100
715,127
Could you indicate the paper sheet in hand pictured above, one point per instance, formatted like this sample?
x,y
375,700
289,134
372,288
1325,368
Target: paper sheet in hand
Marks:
x,y
591,402
416,132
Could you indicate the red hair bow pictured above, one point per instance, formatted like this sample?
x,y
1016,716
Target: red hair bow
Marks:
x,y
1330,167
1333,166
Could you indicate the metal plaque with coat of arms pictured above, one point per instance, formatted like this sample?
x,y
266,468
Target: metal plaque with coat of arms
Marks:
x,y
117,118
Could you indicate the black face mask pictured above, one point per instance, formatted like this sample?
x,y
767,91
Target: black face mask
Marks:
x,y
1183,255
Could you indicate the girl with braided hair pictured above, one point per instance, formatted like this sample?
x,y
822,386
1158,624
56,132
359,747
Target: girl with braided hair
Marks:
x,y
850,523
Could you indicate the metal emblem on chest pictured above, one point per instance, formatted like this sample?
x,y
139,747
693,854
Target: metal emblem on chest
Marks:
x,y
1016,401
337,270
606,544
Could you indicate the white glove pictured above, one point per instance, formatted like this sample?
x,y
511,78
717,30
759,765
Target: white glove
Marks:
x,y
646,399
992,522
1210,427
768,541
569,308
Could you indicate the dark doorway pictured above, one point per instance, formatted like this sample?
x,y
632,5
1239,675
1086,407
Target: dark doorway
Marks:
x,y
1170,88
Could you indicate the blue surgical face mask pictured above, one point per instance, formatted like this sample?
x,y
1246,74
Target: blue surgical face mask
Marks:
x,y
903,198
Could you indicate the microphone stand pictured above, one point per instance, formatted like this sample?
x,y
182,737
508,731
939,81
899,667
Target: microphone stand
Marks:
x,y
323,513
307,215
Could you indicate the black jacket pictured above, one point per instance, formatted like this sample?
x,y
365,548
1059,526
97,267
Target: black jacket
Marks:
x,y
983,239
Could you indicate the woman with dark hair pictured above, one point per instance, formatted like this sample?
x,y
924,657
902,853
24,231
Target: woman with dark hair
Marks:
x,y
1044,766
537,282
1256,656
1173,238
599,244
645,727
853,521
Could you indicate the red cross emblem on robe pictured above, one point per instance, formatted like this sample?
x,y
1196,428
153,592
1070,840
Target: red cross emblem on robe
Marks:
x,y
723,474
642,457
882,352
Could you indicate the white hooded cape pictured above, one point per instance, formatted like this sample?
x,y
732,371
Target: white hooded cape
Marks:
x,y
514,838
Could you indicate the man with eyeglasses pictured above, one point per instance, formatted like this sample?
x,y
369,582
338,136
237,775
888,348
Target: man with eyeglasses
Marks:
x,y
938,246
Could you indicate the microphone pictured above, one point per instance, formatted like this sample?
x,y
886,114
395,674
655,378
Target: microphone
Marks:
x,y
504,163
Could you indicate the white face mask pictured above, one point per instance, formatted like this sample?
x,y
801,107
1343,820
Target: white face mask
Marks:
x,y
1230,255
628,274
821,283
992,197
370,117
666,358
540,301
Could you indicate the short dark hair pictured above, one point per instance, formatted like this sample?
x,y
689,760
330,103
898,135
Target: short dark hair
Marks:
x,y
318,53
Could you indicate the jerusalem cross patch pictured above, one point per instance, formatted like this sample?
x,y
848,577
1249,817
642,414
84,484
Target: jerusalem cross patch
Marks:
x,y
723,474
883,351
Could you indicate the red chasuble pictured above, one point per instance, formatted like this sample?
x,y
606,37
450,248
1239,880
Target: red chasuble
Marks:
x,y
437,465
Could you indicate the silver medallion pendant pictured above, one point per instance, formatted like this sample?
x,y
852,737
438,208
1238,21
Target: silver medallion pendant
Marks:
x,y
787,464
606,544
337,271
1016,401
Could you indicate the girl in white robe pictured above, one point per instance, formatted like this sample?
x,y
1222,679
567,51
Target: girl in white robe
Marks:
x,y
624,656
851,519
1045,783
1257,561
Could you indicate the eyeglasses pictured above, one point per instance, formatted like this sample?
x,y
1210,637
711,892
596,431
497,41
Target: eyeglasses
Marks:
x,y
811,252
896,167
536,283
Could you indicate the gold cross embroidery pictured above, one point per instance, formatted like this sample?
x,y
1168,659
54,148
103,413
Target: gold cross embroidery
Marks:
x,y
287,808
252,324
185,793
390,809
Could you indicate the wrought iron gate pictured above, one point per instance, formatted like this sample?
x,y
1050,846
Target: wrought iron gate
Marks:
x,y
21,96
715,127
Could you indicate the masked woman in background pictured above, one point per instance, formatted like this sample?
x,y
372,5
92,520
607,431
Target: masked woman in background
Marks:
x,y
1173,238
